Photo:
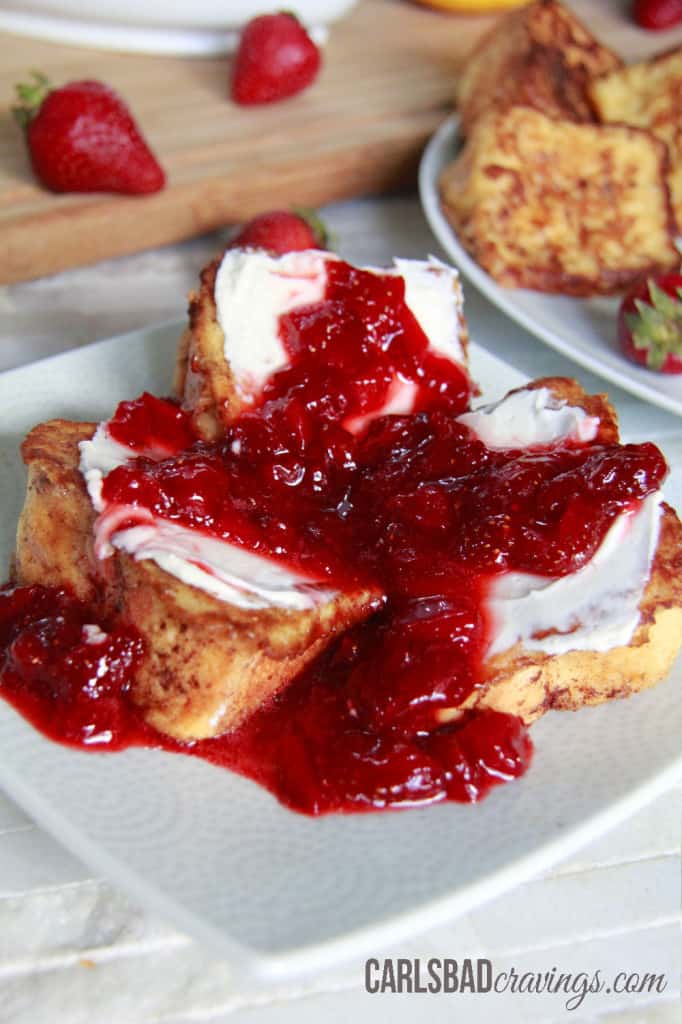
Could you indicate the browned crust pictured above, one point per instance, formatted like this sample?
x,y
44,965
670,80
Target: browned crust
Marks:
x,y
517,200
647,95
54,534
210,665
540,56
203,378
568,390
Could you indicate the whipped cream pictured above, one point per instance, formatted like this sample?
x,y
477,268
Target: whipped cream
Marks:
x,y
593,609
99,456
434,296
253,289
596,608
527,418
400,401
223,570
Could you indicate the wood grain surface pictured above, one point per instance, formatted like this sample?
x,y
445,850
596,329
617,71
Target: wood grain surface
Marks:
x,y
386,84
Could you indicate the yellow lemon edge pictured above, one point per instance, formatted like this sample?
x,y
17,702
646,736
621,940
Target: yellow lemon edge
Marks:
x,y
472,6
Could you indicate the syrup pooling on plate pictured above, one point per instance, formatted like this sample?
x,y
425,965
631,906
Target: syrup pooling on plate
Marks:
x,y
72,680
416,504
66,674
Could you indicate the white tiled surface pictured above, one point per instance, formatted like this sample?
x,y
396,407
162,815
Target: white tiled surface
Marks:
x,y
72,949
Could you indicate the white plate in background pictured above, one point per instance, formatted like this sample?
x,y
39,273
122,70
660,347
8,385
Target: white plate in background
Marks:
x,y
582,329
193,28
276,893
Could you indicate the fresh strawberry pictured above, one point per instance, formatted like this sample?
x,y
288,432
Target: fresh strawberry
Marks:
x,y
657,14
282,231
650,323
82,138
276,58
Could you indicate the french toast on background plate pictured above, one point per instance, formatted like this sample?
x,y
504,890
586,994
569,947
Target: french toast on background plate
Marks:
x,y
647,95
540,56
587,220
551,191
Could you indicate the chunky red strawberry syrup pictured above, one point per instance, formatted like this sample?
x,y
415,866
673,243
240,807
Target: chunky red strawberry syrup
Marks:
x,y
414,504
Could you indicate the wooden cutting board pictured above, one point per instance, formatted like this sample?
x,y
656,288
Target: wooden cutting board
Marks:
x,y
387,83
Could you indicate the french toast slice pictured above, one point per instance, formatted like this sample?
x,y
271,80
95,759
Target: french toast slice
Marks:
x,y
208,664
528,683
55,541
540,56
647,95
578,209
213,385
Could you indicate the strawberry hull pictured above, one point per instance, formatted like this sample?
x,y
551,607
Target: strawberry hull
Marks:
x,y
650,323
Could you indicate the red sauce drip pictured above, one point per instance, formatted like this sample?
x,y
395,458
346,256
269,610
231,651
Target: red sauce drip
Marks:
x,y
309,746
415,504
152,426
69,679
313,749
347,350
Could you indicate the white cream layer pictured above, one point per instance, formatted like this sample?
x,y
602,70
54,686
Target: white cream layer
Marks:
x,y
253,289
524,419
594,609
223,570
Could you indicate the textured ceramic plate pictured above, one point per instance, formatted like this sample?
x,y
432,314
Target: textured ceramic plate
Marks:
x,y
582,329
275,892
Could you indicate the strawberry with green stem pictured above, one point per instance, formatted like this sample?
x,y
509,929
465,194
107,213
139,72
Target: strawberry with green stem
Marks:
x,y
650,323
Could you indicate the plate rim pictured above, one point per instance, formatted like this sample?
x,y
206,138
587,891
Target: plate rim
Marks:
x,y
314,957
431,163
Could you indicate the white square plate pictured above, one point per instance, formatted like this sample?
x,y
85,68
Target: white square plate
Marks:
x,y
582,329
275,892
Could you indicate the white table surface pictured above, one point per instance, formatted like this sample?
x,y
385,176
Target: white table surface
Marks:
x,y
74,949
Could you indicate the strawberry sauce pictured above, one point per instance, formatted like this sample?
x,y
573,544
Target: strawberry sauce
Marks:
x,y
414,504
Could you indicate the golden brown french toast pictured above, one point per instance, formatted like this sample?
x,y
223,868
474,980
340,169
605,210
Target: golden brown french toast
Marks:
x,y
55,531
208,664
648,95
529,683
203,378
578,209
540,56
